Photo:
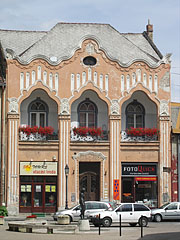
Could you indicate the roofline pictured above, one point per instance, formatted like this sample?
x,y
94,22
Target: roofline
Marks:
x,y
152,44
35,31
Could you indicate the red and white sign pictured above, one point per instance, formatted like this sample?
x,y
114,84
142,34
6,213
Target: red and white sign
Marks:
x,y
38,168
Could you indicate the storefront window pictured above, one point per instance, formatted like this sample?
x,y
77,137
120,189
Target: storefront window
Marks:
x,y
25,195
146,191
50,195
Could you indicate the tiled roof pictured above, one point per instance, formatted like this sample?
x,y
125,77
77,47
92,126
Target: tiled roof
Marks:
x,y
19,41
63,39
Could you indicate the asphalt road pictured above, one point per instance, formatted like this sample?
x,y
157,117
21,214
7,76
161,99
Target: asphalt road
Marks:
x,y
154,231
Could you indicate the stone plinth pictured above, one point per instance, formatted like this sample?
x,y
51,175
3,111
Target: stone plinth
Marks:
x,y
63,219
84,225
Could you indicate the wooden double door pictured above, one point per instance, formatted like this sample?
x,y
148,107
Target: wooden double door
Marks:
x,y
89,179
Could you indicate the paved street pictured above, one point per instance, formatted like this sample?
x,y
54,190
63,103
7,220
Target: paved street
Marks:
x,y
155,231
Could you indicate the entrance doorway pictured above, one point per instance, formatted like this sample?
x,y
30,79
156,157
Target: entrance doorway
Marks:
x,y
128,189
38,194
89,179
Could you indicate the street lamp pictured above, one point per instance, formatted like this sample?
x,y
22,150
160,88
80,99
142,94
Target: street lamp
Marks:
x,y
66,173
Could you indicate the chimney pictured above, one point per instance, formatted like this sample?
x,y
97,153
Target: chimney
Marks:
x,y
149,29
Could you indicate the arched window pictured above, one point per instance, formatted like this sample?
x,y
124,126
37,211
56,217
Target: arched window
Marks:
x,y
87,114
38,113
135,113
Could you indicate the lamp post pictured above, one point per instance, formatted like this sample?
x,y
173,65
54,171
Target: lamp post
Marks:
x,y
66,173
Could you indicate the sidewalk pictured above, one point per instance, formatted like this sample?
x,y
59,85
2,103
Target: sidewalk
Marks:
x,y
155,231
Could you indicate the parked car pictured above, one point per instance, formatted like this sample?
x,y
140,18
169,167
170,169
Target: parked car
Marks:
x,y
166,211
91,206
131,213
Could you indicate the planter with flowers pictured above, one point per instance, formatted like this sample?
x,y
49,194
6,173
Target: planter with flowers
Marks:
x,y
35,133
140,134
86,134
31,217
3,213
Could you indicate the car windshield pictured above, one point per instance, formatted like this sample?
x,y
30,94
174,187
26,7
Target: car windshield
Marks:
x,y
163,206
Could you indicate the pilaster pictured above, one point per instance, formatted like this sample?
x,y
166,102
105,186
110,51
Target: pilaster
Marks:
x,y
115,165
12,164
64,141
165,160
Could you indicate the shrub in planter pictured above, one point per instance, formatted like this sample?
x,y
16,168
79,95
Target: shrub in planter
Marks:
x,y
3,211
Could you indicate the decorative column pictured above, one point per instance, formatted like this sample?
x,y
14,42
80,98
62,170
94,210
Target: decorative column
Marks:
x,y
165,154
12,158
64,141
115,164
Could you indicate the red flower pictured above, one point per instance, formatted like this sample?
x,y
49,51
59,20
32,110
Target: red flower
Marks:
x,y
42,131
142,131
84,131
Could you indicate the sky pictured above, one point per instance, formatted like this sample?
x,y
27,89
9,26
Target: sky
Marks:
x,y
127,16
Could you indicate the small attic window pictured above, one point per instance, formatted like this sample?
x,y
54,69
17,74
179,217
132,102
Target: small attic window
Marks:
x,y
89,61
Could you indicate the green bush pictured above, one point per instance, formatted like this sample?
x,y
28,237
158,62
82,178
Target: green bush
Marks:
x,y
3,211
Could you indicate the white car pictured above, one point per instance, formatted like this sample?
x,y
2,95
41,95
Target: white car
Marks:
x,y
131,213
166,212
91,206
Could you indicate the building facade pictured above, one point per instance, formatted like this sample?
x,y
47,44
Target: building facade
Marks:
x,y
89,83
175,165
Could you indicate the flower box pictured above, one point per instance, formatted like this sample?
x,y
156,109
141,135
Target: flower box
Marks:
x,y
37,130
31,217
142,132
85,131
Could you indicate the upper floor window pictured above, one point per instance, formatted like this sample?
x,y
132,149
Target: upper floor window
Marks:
x,y
38,113
135,113
89,61
87,114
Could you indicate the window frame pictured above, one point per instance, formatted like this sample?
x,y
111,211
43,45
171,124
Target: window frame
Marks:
x,y
135,114
87,112
38,112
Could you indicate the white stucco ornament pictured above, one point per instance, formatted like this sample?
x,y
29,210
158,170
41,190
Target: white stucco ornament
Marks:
x,y
165,82
13,105
114,107
164,108
90,48
64,109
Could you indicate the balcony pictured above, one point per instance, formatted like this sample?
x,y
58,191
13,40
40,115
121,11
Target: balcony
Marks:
x,y
83,134
27,133
139,135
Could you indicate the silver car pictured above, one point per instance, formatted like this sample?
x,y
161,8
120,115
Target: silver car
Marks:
x,y
91,206
167,211
132,213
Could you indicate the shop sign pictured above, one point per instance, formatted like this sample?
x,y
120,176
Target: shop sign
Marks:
x,y
38,168
138,169
116,189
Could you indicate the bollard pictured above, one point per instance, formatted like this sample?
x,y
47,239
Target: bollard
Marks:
x,y
119,224
141,227
99,225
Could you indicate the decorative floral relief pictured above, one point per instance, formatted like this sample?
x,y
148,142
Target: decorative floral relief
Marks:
x,y
90,48
164,108
13,105
64,109
115,107
165,82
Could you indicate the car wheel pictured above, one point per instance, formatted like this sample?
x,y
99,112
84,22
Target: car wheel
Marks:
x,y
106,222
132,224
143,221
158,218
